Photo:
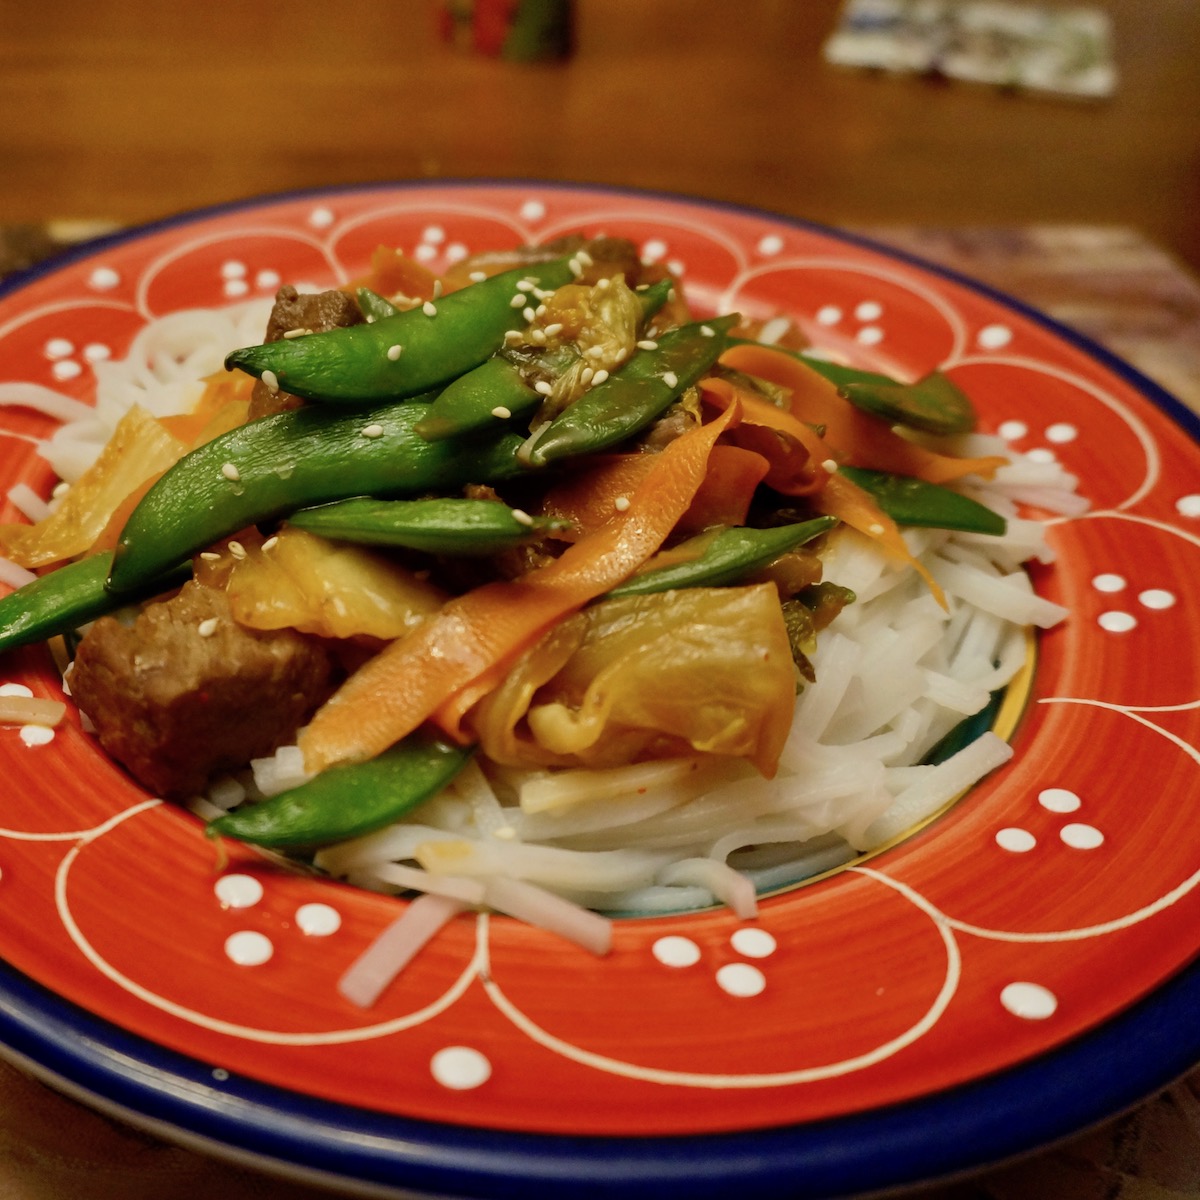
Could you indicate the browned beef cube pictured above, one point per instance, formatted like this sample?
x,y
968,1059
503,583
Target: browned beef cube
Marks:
x,y
317,312
185,691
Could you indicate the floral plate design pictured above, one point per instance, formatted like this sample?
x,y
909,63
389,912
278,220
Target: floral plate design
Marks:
x,y
1015,970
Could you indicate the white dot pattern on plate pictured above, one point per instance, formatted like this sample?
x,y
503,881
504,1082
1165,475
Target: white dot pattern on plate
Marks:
x,y
829,314
321,218
676,951
741,979
869,335
869,310
1012,431
1156,598
654,250
96,352
1030,1001
59,348
318,920
249,948
1081,837
1059,800
435,235
220,1074
1015,840
236,287
994,337
1108,582
1061,432
15,689
1041,454
103,279
460,1068
456,252
753,942
425,252
233,269
771,244
533,210
267,279
238,890
1188,506
37,735
1115,621
66,368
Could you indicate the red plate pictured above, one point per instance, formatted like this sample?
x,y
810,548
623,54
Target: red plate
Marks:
x,y
944,961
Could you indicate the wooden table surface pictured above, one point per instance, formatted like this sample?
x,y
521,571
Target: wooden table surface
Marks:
x,y
1109,283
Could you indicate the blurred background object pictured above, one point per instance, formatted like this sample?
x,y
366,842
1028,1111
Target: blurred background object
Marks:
x,y
132,111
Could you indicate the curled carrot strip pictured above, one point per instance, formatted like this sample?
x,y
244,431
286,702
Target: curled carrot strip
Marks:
x,y
460,653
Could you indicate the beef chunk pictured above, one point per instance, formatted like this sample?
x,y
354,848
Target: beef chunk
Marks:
x,y
315,311
186,691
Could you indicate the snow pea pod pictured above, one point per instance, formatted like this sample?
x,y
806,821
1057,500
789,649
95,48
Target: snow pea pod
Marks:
x,y
914,502
374,306
497,389
408,353
726,557
268,468
67,598
348,800
932,404
448,526
635,396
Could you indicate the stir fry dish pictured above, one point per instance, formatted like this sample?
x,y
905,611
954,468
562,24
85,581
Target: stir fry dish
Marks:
x,y
530,528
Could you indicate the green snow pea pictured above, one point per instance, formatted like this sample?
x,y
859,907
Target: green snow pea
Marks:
x,y
932,404
498,390
911,501
374,306
348,800
449,526
726,557
405,354
636,395
268,468
67,598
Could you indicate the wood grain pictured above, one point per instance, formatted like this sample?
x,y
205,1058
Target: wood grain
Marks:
x,y
138,110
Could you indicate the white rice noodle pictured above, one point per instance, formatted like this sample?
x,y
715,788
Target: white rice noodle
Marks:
x,y
28,502
396,877
544,909
31,710
280,771
938,787
13,575
731,887
388,955
44,400
1009,596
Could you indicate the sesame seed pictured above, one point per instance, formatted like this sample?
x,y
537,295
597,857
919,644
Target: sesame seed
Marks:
x,y
295,333
270,543
237,549
602,285
595,352
477,276
600,376
540,311
584,257
707,331
230,472
521,517
647,344
437,289
621,503
429,308
541,293
554,330
670,379
207,627
575,267
271,380
543,388
372,431
830,465
512,335
501,412
210,556
585,376
394,352
528,314
537,337
875,529
525,285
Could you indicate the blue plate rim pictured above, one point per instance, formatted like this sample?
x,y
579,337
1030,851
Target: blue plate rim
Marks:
x,y
1089,1080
